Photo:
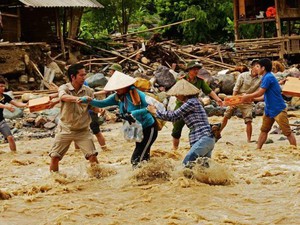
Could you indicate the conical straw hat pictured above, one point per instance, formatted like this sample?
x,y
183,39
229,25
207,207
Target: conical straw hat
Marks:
x,y
118,81
183,87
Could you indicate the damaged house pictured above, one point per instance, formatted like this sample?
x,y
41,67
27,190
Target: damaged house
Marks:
x,y
29,29
282,17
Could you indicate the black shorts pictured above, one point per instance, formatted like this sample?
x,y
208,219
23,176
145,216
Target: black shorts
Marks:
x,y
94,125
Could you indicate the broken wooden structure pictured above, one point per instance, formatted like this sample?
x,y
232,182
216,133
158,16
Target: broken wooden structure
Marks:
x,y
283,14
31,29
42,21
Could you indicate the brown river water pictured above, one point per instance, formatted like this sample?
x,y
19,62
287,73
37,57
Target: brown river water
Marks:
x,y
242,185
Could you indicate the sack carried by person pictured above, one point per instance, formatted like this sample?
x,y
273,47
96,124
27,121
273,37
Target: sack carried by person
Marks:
x,y
158,105
133,132
159,123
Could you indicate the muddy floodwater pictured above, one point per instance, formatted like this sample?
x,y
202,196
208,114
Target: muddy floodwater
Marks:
x,y
242,185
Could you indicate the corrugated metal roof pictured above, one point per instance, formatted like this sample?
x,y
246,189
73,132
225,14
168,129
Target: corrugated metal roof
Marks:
x,y
62,3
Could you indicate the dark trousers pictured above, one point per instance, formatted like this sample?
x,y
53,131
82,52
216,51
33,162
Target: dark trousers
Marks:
x,y
142,149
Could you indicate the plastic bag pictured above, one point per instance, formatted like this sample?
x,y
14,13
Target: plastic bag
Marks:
x,y
133,132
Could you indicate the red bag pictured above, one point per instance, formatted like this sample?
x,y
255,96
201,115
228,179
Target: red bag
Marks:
x,y
271,12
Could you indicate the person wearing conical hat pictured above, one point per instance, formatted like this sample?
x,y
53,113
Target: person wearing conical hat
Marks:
x,y
133,102
194,116
193,68
114,67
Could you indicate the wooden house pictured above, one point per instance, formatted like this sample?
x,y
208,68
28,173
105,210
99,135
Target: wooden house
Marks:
x,y
42,20
282,15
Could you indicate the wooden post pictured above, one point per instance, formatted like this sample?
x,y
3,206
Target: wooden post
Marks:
x,y
278,22
60,33
235,20
18,25
65,22
242,11
278,28
76,14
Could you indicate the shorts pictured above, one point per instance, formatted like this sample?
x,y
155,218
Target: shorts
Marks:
x,y
281,119
177,128
178,125
64,138
4,129
94,125
246,110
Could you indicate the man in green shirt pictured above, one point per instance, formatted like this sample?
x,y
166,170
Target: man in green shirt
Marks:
x,y
193,68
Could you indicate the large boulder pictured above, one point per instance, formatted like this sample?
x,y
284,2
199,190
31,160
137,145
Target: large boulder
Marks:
x,y
227,82
164,78
96,80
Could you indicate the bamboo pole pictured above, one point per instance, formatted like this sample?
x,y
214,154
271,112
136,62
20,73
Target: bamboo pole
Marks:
x,y
155,28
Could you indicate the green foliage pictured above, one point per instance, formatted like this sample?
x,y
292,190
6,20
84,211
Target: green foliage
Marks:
x,y
115,17
210,24
213,20
249,31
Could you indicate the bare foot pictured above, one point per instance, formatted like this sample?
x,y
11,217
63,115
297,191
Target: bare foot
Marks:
x,y
105,148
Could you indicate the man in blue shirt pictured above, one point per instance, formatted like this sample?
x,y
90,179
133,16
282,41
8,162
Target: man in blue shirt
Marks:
x,y
275,107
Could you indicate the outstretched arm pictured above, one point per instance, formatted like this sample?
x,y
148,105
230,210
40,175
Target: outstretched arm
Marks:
x,y
109,101
256,94
172,115
216,98
18,104
8,107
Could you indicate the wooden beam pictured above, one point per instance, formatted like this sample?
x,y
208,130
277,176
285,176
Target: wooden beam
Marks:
x,y
131,56
98,59
110,52
10,15
254,21
209,61
50,86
